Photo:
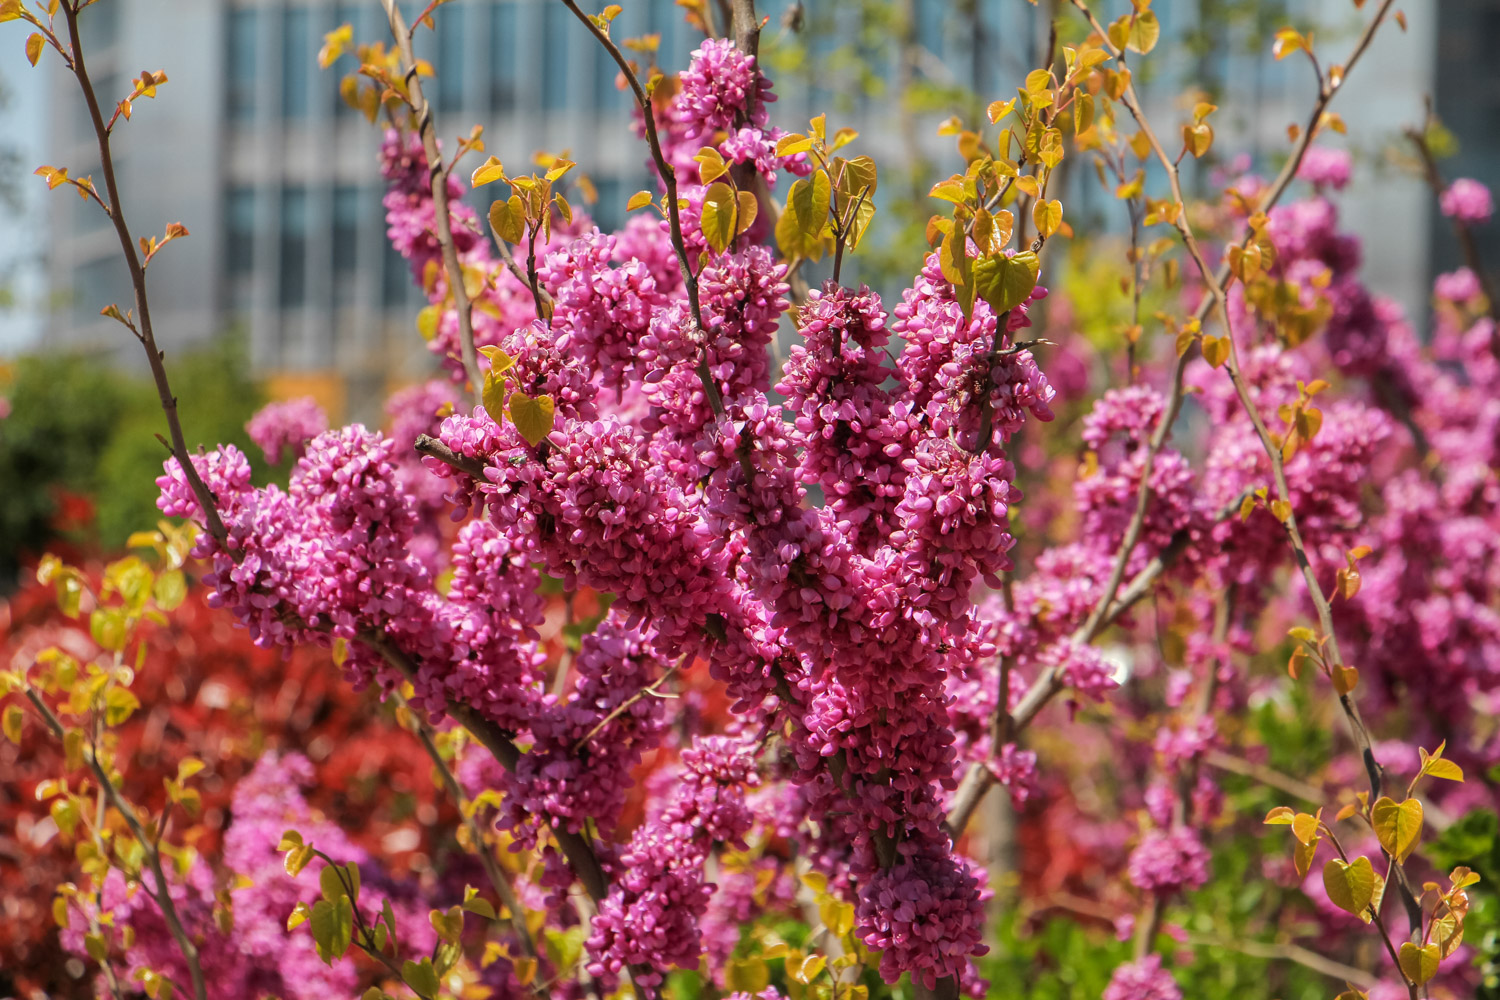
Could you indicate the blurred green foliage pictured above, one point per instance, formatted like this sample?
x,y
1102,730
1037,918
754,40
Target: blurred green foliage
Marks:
x,y
80,428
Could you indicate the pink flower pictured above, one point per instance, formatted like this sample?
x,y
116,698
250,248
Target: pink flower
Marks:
x,y
1467,200
1142,980
1325,168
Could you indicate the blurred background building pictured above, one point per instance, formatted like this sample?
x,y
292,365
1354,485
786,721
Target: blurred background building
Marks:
x,y
250,146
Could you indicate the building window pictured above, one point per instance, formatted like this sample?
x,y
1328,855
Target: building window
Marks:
x,y
557,27
292,280
239,247
504,73
100,283
398,287
347,203
449,23
296,62
240,64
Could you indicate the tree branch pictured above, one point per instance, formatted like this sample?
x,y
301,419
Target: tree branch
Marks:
x,y
438,180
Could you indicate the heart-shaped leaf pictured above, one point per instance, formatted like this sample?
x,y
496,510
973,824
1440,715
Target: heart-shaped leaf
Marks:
x,y
1398,825
1006,282
719,210
533,416
1350,887
1419,964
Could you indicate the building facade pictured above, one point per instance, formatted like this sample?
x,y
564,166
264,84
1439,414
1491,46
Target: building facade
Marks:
x,y
250,146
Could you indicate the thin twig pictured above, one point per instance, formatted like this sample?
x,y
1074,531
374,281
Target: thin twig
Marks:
x,y
437,178
154,355
498,879
159,891
674,213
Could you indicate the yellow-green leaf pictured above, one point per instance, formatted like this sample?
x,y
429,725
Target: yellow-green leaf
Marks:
x,y
1303,854
508,219
1398,825
533,416
1419,964
449,925
1215,350
1350,887
1048,217
749,206
791,145
1439,768
711,165
498,359
720,207
1305,827
34,48
487,172
638,200
421,977
1006,282
14,721
1144,32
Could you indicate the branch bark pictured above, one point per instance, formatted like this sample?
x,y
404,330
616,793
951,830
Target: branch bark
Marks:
x,y
437,177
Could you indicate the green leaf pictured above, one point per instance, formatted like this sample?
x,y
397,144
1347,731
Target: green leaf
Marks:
x,y
421,976
799,231
1398,826
720,207
508,219
449,925
325,929
300,914
1144,32
1006,282
1350,887
563,947
13,721
119,705
170,589
330,883
1419,964
533,416
480,907
108,627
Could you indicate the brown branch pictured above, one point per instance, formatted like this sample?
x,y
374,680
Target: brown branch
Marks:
x,y
433,448
1461,230
977,781
160,893
1217,286
154,355
497,878
649,691
1270,777
437,178
1290,953
674,213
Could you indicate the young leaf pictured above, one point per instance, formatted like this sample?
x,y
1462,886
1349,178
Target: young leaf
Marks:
x,y
1398,826
1350,887
487,172
720,206
638,200
1006,282
748,208
421,977
711,165
1419,964
508,219
533,416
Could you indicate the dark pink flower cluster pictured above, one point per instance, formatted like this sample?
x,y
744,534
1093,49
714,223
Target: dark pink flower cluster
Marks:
x,y
650,918
286,427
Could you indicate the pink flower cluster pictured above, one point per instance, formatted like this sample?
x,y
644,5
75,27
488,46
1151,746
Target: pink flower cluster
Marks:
x,y
286,427
1467,200
650,918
